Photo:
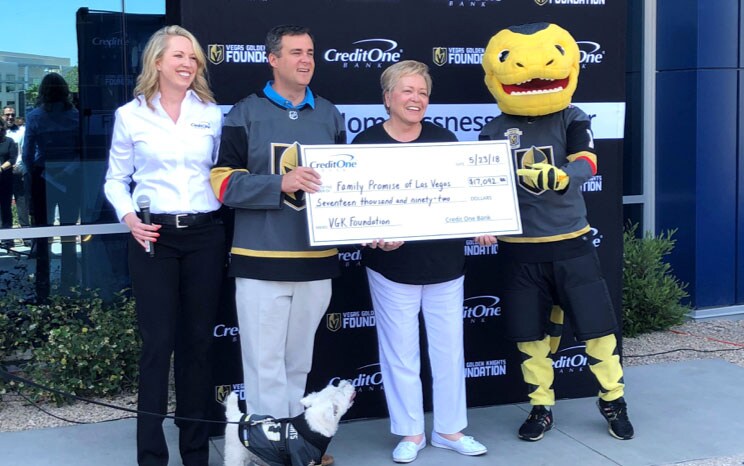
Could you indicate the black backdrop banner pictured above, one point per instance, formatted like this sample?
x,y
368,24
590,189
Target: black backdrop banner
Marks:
x,y
355,41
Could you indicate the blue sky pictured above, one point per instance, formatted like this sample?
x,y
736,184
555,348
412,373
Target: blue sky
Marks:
x,y
47,27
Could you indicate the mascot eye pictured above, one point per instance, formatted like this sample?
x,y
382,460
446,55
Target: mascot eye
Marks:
x,y
561,49
502,55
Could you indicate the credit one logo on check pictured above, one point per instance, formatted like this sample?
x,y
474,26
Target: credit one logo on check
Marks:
x,y
336,161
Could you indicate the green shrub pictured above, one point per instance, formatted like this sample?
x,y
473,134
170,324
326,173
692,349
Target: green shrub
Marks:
x,y
95,353
651,293
77,343
30,324
4,335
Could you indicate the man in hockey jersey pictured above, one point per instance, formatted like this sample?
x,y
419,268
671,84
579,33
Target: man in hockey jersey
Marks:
x,y
283,286
532,71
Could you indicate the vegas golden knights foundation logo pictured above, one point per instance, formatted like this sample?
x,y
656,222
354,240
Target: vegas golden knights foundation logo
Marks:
x,y
216,53
541,2
221,392
439,56
333,322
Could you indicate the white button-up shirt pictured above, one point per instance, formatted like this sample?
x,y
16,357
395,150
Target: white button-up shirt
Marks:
x,y
169,162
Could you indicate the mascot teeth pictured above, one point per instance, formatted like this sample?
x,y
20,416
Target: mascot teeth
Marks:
x,y
544,91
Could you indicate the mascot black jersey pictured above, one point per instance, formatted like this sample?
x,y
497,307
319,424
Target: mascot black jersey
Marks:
x,y
548,215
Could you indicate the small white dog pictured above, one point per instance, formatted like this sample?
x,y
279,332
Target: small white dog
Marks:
x,y
299,441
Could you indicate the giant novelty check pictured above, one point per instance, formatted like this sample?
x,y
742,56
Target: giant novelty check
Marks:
x,y
408,192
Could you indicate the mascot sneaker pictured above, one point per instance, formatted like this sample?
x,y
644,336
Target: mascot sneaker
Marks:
x,y
616,413
538,422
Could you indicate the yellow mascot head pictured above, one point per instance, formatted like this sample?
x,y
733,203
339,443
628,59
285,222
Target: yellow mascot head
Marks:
x,y
532,69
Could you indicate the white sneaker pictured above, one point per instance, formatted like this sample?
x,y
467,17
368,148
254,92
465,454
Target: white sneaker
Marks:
x,y
405,452
466,445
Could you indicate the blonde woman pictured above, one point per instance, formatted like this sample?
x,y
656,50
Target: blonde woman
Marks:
x,y
166,141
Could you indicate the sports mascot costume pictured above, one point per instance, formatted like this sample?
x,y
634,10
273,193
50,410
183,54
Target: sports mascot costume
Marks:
x,y
532,71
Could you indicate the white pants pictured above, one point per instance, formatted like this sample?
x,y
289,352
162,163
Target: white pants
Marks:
x,y
277,323
397,308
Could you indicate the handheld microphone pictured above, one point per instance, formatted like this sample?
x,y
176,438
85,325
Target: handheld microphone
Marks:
x,y
143,202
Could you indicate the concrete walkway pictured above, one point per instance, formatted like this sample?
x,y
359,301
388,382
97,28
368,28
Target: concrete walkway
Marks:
x,y
683,413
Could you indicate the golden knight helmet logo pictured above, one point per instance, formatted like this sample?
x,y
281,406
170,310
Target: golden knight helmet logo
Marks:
x,y
439,56
221,392
216,53
333,322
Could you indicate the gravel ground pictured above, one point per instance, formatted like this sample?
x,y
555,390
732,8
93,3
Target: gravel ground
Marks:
x,y
723,339
716,339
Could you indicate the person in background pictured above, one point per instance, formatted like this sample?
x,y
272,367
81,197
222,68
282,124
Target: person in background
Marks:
x,y
8,156
16,132
166,141
407,278
51,156
282,285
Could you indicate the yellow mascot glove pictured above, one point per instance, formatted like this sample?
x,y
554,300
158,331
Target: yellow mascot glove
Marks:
x,y
544,176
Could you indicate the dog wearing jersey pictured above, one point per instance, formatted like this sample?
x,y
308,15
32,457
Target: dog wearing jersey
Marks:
x,y
297,441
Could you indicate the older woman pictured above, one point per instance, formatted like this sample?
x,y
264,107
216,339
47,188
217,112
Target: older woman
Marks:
x,y
166,140
407,278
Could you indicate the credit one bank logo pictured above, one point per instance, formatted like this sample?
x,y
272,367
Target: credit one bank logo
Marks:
x,y
596,238
590,53
571,359
350,258
366,53
107,42
367,378
479,308
335,161
225,331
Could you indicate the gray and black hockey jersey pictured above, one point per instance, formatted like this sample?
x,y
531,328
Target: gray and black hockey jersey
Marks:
x,y
563,139
270,240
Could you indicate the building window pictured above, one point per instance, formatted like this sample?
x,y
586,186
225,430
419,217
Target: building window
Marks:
x,y
10,83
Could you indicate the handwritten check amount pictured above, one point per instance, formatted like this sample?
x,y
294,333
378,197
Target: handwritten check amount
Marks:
x,y
408,192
